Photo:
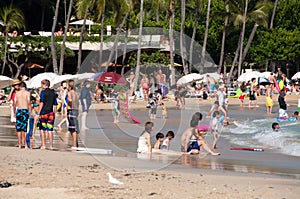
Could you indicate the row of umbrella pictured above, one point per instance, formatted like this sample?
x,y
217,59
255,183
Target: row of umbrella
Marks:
x,y
55,80
196,77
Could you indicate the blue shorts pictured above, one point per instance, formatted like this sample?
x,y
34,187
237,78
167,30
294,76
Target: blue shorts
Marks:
x,y
193,144
22,116
212,87
221,118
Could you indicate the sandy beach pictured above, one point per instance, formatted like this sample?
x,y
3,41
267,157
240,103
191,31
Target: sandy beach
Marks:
x,y
64,174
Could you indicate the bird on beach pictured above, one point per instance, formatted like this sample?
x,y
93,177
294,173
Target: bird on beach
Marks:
x,y
113,180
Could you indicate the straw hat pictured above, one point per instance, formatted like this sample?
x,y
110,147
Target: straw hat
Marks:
x,y
16,82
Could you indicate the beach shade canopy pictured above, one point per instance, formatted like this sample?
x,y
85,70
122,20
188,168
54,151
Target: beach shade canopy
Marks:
x,y
5,81
266,74
190,78
296,76
263,81
35,82
245,77
213,75
110,78
81,77
56,82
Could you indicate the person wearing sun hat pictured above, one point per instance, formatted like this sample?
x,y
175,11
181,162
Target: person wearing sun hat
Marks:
x,y
11,97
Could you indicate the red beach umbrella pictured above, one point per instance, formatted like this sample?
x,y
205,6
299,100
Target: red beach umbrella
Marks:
x,y
110,78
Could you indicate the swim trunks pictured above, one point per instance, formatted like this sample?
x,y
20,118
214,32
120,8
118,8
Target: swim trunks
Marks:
x,y
193,144
252,96
72,116
22,116
47,121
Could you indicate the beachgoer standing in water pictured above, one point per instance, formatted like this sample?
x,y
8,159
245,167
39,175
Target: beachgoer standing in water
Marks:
x,y
144,143
86,101
64,101
72,112
47,110
22,109
252,98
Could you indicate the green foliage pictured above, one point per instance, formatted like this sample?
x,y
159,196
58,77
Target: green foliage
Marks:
x,y
149,59
276,45
287,15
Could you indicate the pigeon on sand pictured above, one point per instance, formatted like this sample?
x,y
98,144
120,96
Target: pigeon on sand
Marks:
x,y
113,180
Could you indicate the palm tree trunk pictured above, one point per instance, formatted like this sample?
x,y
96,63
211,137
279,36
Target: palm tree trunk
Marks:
x,y
273,13
182,46
81,39
62,53
235,58
53,50
205,39
101,38
223,40
138,66
43,16
116,41
5,52
125,49
249,41
193,35
242,39
171,42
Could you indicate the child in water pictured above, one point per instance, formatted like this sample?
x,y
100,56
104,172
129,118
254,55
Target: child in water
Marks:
x,y
159,139
164,111
166,143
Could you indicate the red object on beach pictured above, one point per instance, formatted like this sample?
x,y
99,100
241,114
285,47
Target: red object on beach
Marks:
x,y
110,78
247,149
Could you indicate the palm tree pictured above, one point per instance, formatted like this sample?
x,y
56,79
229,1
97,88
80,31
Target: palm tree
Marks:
x,y
171,40
11,17
53,50
242,38
138,66
62,53
205,38
82,10
182,38
223,39
273,14
197,10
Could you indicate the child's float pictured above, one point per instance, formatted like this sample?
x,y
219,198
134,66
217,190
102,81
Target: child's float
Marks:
x,y
246,149
203,128
287,119
123,96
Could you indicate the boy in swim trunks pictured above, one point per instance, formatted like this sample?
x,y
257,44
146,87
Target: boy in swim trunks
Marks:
x,y
166,143
22,101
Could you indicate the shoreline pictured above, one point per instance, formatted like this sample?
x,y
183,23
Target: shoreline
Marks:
x,y
234,174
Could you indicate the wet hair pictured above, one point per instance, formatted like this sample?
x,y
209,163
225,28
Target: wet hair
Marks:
x,y
274,125
296,113
148,126
159,135
217,103
194,123
46,82
23,85
253,79
71,84
170,133
216,113
62,83
197,116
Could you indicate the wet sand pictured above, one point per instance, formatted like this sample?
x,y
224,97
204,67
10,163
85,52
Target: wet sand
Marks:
x,y
234,174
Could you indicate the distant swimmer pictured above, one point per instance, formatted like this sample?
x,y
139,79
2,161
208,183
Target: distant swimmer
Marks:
x,y
275,127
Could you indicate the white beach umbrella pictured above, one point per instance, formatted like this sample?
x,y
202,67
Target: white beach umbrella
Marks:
x,y
84,76
266,74
35,82
5,81
245,77
189,78
60,78
296,76
214,75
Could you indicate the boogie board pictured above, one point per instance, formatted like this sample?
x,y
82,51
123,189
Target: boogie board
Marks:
x,y
247,149
290,119
93,150
203,128
123,100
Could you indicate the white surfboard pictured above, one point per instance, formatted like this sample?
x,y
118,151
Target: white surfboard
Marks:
x,y
93,150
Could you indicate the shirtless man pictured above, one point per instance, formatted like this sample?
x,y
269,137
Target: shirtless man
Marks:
x,y
272,80
192,137
160,78
22,101
211,84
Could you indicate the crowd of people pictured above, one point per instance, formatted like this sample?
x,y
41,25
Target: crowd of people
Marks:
x,y
30,111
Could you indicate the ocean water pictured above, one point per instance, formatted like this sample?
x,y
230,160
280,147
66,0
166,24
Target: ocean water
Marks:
x,y
259,133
